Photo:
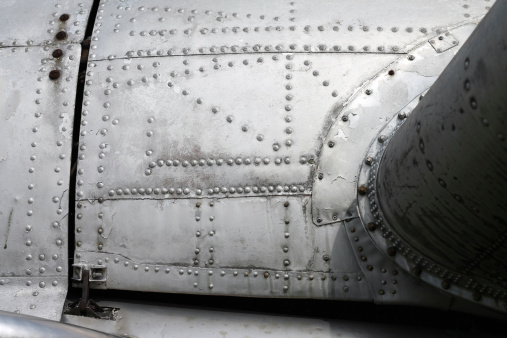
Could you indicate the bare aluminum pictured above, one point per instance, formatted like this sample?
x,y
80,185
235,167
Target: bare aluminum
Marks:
x,y
35,23
126,29
16,325
36,126
448,160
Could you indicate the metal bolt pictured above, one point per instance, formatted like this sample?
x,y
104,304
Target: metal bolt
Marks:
x,y
382,138
286,204
57,53
402,115
391,72
266,274
371,226
330,144
100,246
326,258
54,74
368,91
345,118
391,251
61,35
440,38
286,262
362,190
198,204
370,267
411,57
319,220
287,221
321,176
369,160
335,217
445,284
64,17
100,230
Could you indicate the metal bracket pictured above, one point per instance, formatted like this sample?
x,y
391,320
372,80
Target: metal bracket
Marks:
x,y
443,42
85,306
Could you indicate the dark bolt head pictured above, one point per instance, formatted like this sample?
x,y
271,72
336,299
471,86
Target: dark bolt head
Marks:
x,y
440,37
477,296
445,284
54,74
402,115
368,91
319,220
198,204
411,57
266,274
391,72
335,217
364,259
362,190
326,258
61,35
286,204
330,144
370,267
382,138
391,251
381,292
345,118
416,270
372,226
64,17
287,221
321,176
360,249
57,53
369,160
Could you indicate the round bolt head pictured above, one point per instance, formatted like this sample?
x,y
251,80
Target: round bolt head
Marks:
x,y
319,220
64,17
368,91
330,144
369,160
286,204
362,190
321,176
402,115
345,118
54,74
326,258
411,57
266,274
57,53
61,35
371,226
391,72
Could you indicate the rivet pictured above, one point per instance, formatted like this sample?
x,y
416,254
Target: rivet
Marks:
x,y
321,176
286,204
57,53
319,220
286,262
368,91
402,115
391,72
369,160
362,190
54,74
371,226
326,258
411,57
330,144
64,17
61,35
345,118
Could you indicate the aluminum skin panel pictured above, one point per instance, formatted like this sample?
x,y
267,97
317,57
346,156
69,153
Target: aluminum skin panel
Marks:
x,y
378,100
263,246
35,23
133,28
36,121
257,133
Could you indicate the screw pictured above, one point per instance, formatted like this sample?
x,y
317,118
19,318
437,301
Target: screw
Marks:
x,y
61,35
391,251
370,267
445,284
345,118
362,190
321,176
330,144
319,220
368,91
391,72
440,38
372,226
57,53
402,115
64,17
335,217
54,74
326,257
369,160
411,57
286,204
382,138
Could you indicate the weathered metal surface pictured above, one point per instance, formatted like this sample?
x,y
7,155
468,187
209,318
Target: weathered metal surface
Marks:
x,y
378,100
438,184
139,28
163,320
36,121
256,133
231,246
31,23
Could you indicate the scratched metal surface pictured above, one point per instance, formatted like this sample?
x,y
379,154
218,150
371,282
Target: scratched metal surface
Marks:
x,y
228,246
133,28
36,119
335,190
32,23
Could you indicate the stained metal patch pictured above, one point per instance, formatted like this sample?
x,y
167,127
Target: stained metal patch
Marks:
x,y
31,23
36,123
158,27
335,187
443,42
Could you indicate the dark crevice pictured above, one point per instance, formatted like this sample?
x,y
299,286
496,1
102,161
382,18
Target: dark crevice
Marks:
x,y
85,45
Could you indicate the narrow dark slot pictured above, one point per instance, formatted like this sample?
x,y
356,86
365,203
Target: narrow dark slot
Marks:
x,y
85,45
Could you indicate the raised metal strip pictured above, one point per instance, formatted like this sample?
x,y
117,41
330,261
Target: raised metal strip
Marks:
x,y
32,23
179,127
265,247
36,121
345,146
158,27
